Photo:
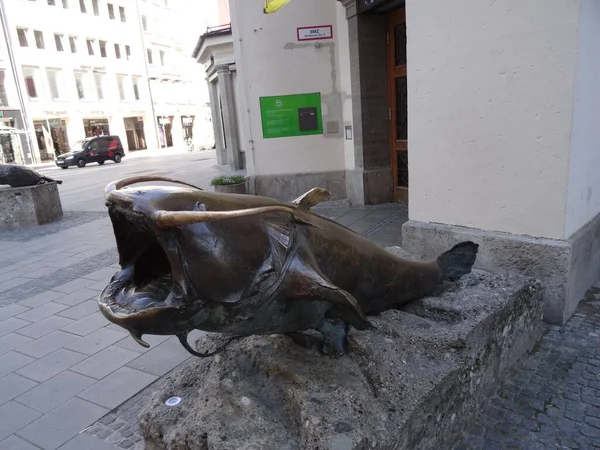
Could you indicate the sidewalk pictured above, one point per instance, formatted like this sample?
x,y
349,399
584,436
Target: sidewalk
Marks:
x,y
63,366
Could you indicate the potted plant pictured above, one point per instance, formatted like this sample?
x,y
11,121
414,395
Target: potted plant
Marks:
x,y
230,184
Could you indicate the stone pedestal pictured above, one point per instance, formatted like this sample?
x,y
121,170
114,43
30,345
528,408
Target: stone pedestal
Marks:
x,y
29,206
413,382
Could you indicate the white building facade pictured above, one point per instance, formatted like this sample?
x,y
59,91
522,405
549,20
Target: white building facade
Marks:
x,y
87,67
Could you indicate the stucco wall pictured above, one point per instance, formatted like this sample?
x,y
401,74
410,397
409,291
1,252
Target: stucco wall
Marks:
x,y
583,201
345,83
490,101
271,61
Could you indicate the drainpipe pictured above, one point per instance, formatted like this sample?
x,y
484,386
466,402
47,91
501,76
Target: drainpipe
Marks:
x,y
17,78
145,50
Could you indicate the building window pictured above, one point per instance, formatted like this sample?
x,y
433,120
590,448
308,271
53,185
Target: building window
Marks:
x,y
58,40
99,80
111,11
3,97
122,14
103,49
22,34
29,74
149,56
51,2
65,4
128,52
136,88
95,7
54,82
39,39
162,57
145,23
121,83
82,6
80,84
73,44
90,46
118,51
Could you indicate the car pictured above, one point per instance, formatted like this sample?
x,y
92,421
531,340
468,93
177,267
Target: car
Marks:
x,y
93,149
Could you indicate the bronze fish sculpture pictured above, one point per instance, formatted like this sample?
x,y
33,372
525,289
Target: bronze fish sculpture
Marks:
x,y
20,176
245,265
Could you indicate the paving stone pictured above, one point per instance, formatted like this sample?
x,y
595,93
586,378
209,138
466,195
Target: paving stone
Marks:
x,y
162,358
45,326
13,282
41,312
62,424
103,275
11,310
51,365
98,286
73,286
80,311
13,385
96,341
56,391
12,324
86,442
11,361
16,443
41,299
105,362
47,344
87,325
12,341
78,297
15,416
114,390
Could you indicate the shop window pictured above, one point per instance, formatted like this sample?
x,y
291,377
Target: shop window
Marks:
x,y
111,11
122,14
73,44
39,39
117,51
103,49
22,34
58,40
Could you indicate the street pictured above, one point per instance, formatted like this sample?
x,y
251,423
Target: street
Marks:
x,y
83,189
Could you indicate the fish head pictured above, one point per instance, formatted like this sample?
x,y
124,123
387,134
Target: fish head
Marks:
x,y
150,294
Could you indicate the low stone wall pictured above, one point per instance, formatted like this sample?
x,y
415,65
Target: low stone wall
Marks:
x,y
414,382
30,205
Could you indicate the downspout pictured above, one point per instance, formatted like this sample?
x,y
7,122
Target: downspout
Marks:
x,y
17,78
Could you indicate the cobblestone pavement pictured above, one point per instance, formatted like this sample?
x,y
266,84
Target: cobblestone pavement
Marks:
x,y
552,400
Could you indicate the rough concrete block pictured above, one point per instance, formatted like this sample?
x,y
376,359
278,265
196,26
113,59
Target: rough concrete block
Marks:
x,y
415,380
567,268
30,205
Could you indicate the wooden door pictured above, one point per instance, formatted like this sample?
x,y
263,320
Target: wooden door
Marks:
x,y
396,40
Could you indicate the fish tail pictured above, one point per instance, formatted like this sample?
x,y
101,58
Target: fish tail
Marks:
x,y
458,261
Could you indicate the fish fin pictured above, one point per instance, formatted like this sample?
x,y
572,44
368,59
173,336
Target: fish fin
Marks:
x,y
313,197
458,261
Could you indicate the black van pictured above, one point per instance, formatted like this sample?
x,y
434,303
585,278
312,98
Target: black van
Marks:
x,y
94,149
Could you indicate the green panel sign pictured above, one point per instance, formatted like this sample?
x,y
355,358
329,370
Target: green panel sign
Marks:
x,y
291,115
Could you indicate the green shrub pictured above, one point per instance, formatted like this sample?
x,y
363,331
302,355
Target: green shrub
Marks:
x,y
227,179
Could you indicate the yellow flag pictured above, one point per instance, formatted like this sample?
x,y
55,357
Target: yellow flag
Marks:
x,y
272,6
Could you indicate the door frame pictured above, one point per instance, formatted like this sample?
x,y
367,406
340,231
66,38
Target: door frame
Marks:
x,y
393,18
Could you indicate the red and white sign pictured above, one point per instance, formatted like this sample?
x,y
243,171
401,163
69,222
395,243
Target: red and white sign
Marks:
x,y
315,33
